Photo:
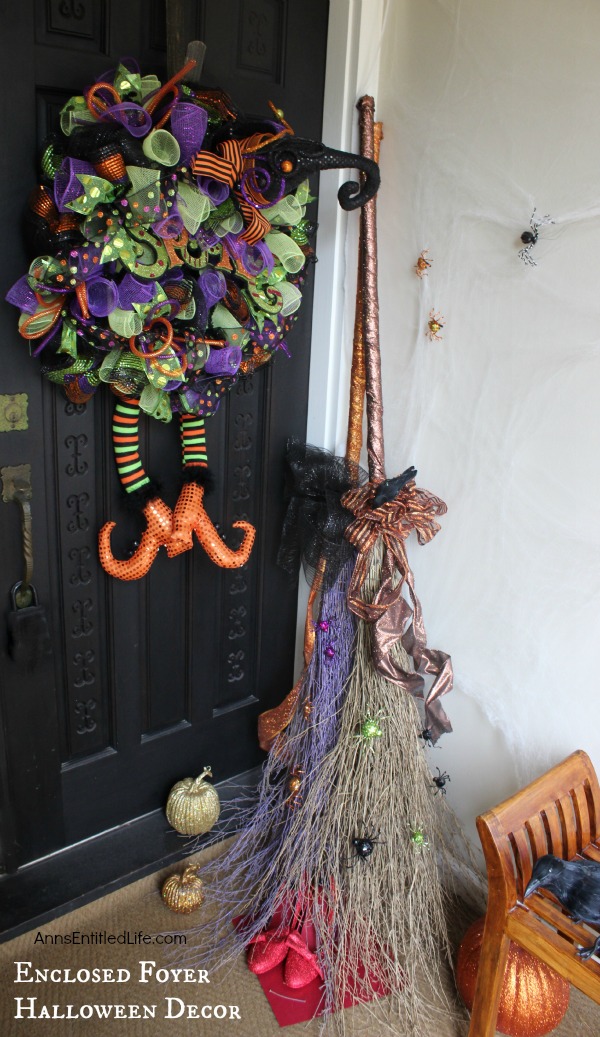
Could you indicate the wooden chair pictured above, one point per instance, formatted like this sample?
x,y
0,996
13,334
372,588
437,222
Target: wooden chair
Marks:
x,y
558,813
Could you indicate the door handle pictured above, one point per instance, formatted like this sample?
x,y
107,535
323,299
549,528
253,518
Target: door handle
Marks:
x,y
16,486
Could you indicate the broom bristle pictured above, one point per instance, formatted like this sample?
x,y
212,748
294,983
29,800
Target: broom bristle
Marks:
x,y
380,920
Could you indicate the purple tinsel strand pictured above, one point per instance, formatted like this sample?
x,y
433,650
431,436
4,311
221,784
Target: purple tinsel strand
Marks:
x,y
263,845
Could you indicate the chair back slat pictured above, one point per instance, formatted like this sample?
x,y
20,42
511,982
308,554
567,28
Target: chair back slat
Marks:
x,y
522,853
538,836
566,812
581,806
557,842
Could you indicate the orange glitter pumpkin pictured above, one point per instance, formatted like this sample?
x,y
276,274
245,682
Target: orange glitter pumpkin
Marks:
x,y
533,999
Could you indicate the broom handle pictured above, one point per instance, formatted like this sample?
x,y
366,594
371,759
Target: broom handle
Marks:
x,y
375,449
358,372
357,399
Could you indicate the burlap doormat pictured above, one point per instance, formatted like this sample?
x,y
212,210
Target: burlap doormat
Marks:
x,y
232,1001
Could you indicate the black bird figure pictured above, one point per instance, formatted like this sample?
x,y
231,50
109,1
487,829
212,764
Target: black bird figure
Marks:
x,y
576,884
390,488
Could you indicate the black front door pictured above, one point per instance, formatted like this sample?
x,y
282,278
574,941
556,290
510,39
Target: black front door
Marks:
x,y
148,680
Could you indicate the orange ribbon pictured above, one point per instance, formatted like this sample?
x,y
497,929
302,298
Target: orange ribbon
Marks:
x,y
394,618
228,167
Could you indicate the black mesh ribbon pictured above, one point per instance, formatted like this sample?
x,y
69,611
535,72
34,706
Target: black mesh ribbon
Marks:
x,y
316,520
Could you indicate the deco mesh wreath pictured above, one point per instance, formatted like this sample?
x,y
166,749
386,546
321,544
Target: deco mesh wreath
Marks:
x,y
171,242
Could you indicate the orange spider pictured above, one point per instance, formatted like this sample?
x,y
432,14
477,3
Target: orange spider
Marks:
x,y
435,325
422,265
294,787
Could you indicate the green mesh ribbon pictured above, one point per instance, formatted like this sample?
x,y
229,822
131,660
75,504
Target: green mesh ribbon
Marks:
x,y
124,370
289,254
125,322
194,207
160,146
156,404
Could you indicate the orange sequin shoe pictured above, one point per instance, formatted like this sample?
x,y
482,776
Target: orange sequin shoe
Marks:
x,y
159,519
190,517
185,516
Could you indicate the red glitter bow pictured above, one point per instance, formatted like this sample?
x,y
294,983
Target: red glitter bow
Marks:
x,y
272,946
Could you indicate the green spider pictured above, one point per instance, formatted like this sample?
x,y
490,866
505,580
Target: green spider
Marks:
x,y
369,729
417,837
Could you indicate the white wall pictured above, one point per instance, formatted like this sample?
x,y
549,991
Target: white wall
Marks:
x,y
490,110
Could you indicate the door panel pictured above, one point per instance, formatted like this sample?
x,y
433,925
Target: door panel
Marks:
x,y
149,680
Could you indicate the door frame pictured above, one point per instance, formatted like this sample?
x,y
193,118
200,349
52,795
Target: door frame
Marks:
x,y
352,70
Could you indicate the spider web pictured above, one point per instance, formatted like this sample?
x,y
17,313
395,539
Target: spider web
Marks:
x,y
489,113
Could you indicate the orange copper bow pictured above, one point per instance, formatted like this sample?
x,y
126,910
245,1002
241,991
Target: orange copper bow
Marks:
x,y
394,618
228,167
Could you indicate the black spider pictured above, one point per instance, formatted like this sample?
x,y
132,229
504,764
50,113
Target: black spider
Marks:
x,y
363,846
427,736
529,237
440,780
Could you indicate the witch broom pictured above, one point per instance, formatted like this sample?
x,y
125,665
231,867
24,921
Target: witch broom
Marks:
x,y
334,871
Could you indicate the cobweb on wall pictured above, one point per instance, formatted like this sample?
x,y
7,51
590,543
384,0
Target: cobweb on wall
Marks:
x,y
490,112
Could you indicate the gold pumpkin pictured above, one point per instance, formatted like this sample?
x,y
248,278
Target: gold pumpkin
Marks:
x,y
533,999
193,805
183,893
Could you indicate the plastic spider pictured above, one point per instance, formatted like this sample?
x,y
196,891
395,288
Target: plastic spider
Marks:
x,y
529,237
435,325
427,736
369,729
417,837
294,787
363,846
422,265
439,781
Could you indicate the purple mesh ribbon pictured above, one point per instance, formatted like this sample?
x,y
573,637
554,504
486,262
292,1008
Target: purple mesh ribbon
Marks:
x,y
170,227
131,290
188,126
213,286
192,398
236,247
206,238
258,258
136,120
255,258
22,296
66,185
214,190
224,361
102,296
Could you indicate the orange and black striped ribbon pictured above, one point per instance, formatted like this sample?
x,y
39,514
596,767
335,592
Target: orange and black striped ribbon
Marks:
x,y
227,168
